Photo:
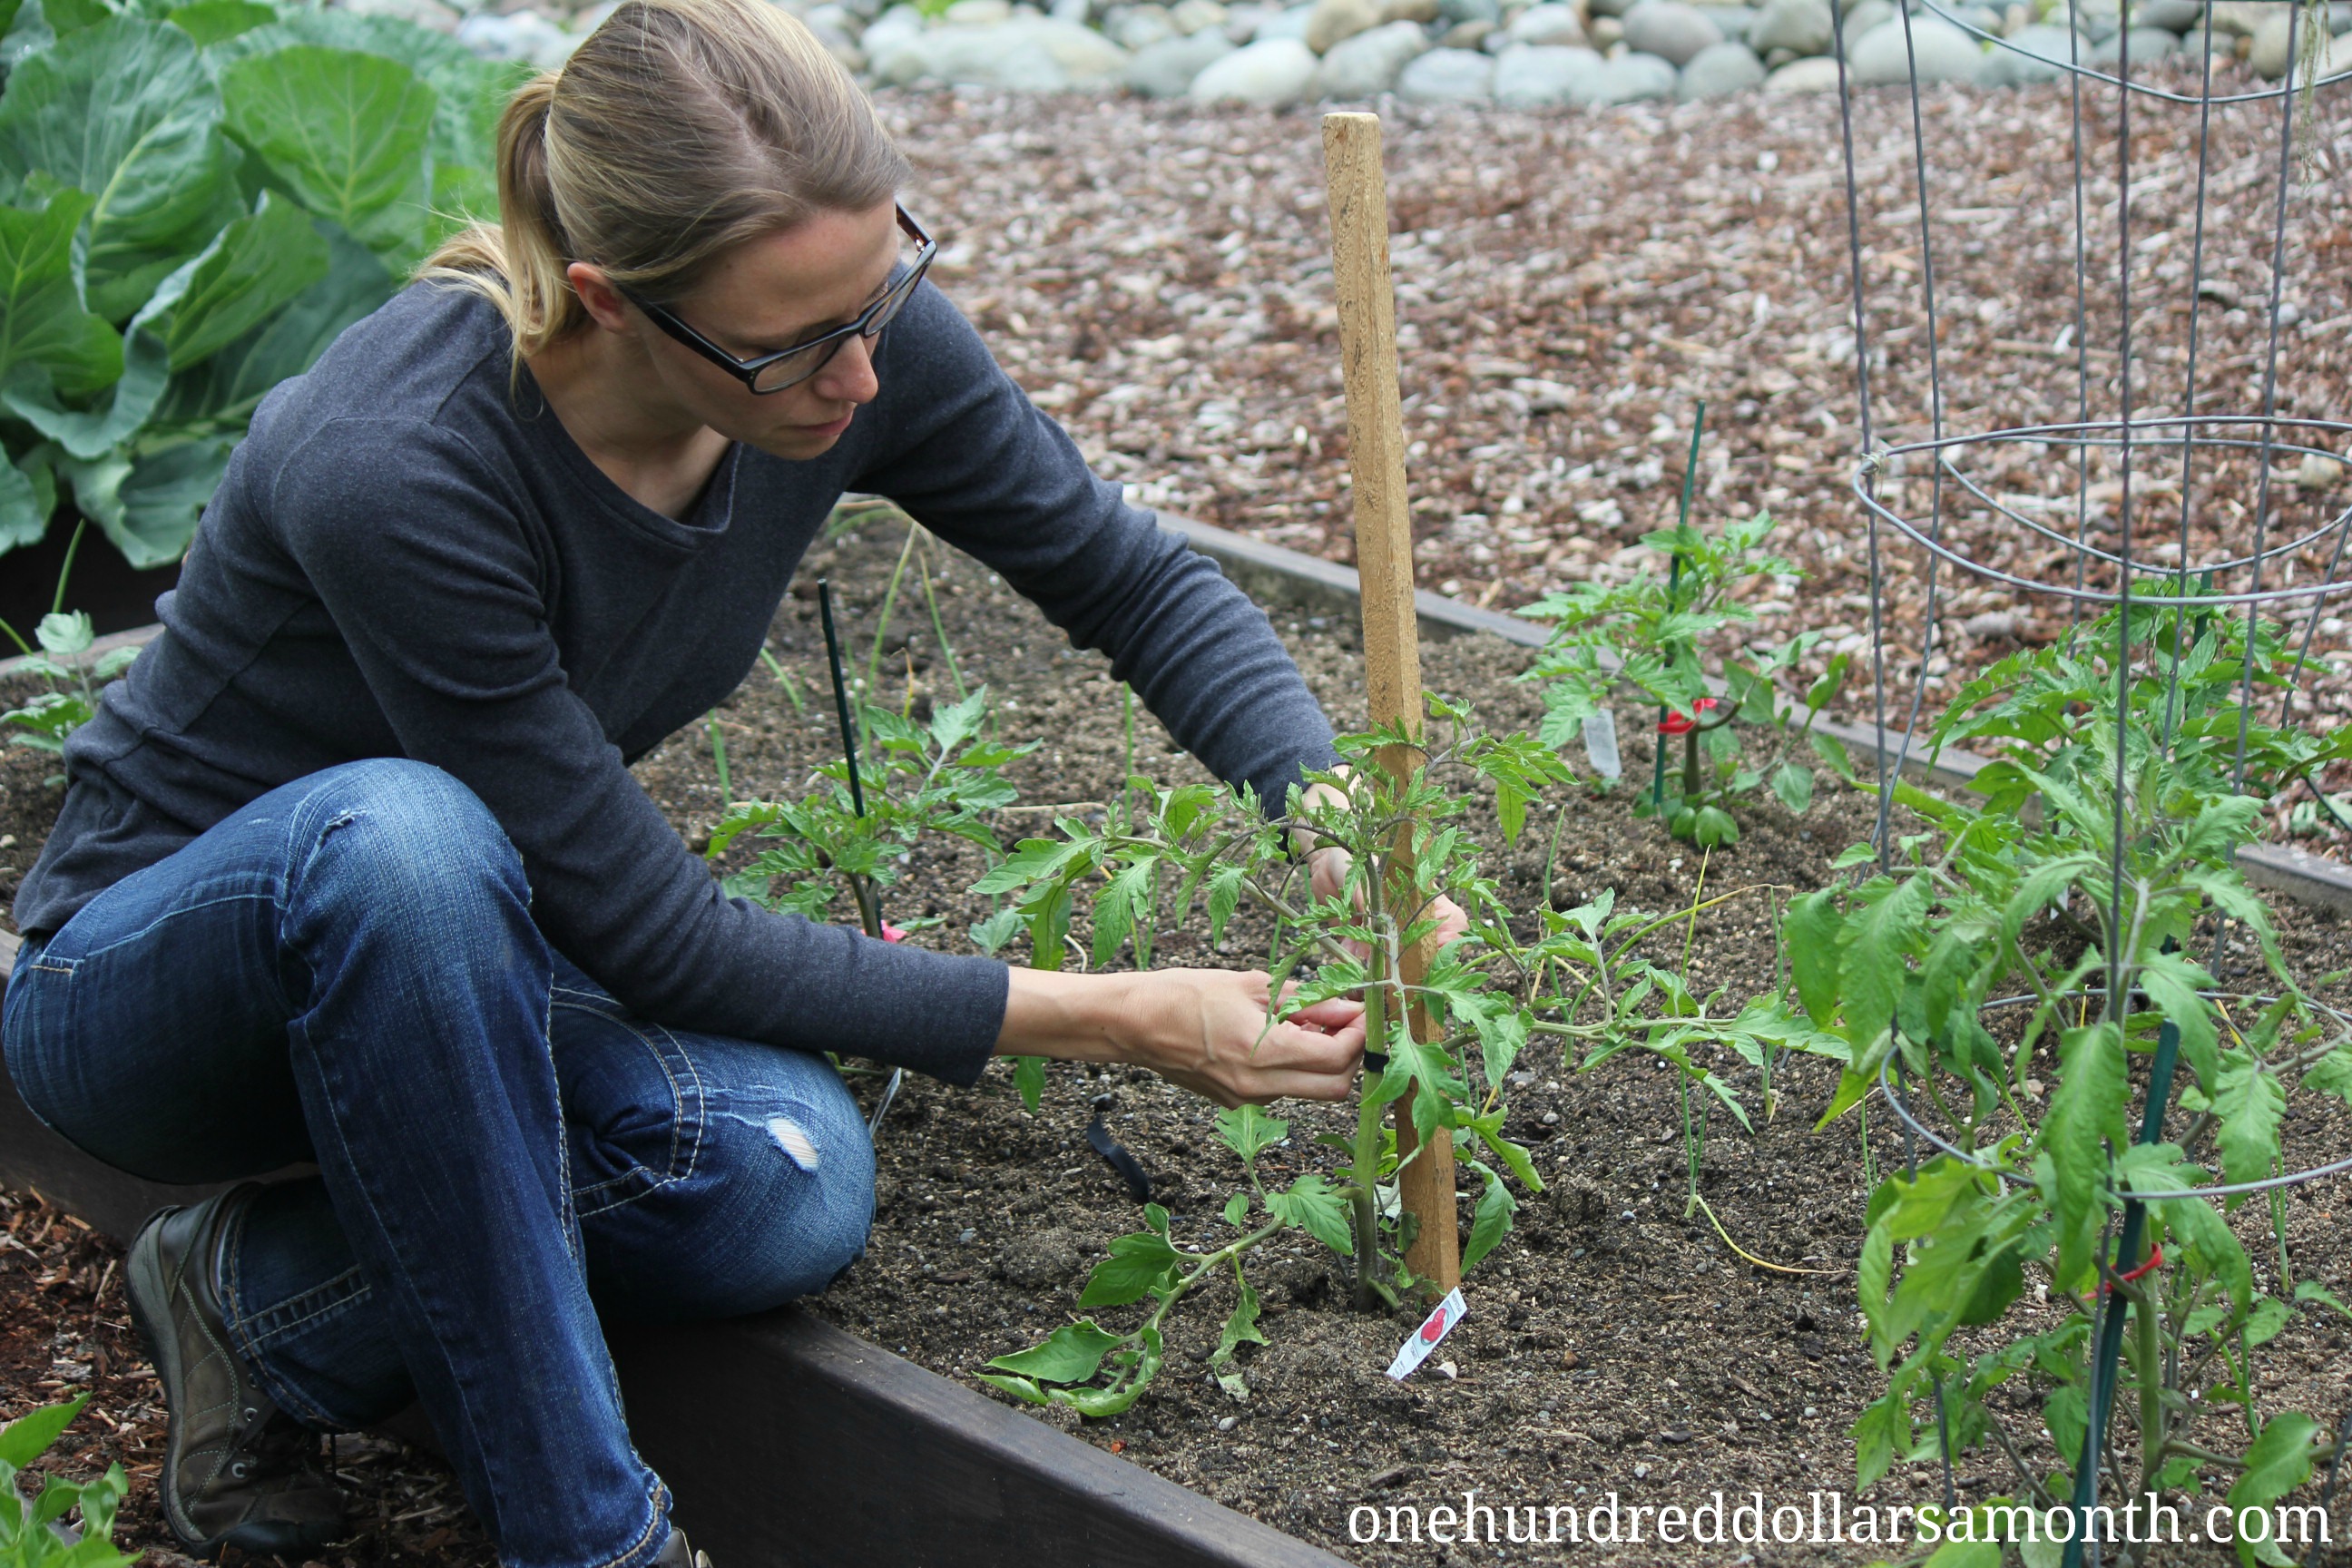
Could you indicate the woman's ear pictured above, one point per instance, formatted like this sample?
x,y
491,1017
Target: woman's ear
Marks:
x,y
598,297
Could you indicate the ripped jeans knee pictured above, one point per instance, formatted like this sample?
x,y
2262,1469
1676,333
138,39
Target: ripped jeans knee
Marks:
x,y
713,1176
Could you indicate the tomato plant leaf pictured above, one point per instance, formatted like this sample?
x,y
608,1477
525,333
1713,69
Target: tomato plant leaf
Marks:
x,y
2247,1106
2085,1116
2279,1462
1311,1205
1138,1261
1071,1353
1248,1130
1886,934
1812,928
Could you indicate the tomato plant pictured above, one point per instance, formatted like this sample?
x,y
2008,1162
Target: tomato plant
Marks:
x,y
1669,639
2012,971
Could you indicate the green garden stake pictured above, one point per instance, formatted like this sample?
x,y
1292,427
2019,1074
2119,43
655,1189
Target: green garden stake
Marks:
x,y
869,907
1674,587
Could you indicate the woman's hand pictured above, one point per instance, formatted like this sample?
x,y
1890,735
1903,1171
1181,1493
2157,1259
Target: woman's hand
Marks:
x,y
1327,868
1204,1028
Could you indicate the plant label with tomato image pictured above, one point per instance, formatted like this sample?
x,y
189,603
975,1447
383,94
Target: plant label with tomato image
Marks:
x,y
1425,1339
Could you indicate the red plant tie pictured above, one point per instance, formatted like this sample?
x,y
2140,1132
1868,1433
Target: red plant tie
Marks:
x,y
1683,723
2155,1261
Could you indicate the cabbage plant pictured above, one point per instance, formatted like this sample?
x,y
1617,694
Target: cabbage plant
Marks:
x,y
194,200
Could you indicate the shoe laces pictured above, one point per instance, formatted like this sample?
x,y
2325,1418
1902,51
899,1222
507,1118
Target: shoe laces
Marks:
x,y
268,1443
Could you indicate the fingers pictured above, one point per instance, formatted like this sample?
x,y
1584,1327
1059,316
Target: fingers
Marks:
x,y
1332,1013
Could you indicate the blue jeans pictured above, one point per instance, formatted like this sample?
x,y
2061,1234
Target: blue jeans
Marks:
x,y
346,971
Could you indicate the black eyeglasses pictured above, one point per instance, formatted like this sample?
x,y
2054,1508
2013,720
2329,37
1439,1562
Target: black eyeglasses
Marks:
x,y
790,367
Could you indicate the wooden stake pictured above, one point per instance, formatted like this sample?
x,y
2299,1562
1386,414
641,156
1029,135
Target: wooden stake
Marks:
x,y
1368,356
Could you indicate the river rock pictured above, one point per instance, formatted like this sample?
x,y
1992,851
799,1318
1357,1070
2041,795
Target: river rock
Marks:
x,y
1944,53
1557,25
1719,70
1367,65
1290,24
1546,75
429,14
1447,76
2175,16
1336,20
2037,52
1422,11
2268,56
893,27
1166,69
1732,21
2146,44
526,36
1860,18
1272,73
1608,7
1669,30
1190,16
1630,79
976,14
1817,74
1466,36
1802,27
1027,54
1136,28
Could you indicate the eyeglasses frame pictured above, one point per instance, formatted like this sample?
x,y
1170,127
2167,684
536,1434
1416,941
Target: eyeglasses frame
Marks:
x,y
747,371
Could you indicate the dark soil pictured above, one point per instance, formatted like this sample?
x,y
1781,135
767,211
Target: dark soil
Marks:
x,y
1613,1343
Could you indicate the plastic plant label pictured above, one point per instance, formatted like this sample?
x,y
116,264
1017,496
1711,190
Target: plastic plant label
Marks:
x,y
1601,744
1426,1339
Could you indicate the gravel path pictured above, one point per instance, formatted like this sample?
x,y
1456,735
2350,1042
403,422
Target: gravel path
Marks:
x,y
1569,285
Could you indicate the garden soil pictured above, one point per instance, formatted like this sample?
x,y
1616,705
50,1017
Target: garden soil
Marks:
x,y
1615,1343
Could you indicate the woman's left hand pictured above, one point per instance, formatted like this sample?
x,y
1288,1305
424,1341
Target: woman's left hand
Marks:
x,y
1327,871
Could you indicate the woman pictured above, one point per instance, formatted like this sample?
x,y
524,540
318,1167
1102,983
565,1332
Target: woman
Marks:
x,y
350,869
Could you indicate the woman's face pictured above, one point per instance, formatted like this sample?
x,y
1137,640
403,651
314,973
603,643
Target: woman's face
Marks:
x,y
768,294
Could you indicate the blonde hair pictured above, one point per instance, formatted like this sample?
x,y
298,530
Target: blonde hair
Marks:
x,y
677,129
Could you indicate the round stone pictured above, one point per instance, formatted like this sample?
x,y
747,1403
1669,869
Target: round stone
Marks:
x,y
2147,44
1138,26
1719,70
1448,76
1545,24
1817,74
2174,15
1546,75
1166,69
1632,78
1935,51
1801,27
1368,64
1272,73
2038,52
1336,20
1669,30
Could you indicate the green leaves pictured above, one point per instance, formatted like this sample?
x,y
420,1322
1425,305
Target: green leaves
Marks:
x,y
254,268
2085,1117
345,130
43,321
1138,1261
1071,1353
1248,1132
194,207
126,112
30,1538
1311,1205
2280,1460
2247,1107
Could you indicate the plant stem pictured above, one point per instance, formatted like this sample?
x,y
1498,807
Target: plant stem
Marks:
x,y
939,631
882,625
719,757
1366,1206
65,568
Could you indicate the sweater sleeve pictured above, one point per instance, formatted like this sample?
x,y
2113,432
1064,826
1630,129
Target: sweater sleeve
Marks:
x,y
981,466
408,538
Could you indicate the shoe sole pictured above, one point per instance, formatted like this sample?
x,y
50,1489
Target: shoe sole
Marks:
x,y
144,1282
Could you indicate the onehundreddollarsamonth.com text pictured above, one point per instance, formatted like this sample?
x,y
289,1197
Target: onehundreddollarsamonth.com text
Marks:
x,y
1822,1517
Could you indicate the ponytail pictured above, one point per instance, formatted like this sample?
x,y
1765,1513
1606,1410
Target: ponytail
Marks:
x,y
677,130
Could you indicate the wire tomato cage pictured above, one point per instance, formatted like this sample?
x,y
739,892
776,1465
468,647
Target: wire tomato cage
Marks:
x,y
2088,384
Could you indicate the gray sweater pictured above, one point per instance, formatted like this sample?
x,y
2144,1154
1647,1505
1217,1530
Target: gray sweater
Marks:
x,y
404,560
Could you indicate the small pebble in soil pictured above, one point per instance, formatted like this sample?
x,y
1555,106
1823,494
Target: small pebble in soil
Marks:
x,y
1810,1411
963,1237
1225,1423
1448,1369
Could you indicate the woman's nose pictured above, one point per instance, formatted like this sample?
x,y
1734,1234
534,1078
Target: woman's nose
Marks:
x,y
848,376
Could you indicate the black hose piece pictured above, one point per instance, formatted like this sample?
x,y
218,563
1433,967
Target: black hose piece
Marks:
x,y
1129,1169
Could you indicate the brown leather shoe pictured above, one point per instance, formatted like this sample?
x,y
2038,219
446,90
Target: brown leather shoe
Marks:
x,y
237,1471
676,1553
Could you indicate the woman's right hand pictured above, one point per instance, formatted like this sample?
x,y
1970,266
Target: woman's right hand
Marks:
x,y
1206,1029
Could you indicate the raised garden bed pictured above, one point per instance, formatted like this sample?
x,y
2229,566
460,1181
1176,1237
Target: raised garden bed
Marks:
x,y
1612,1343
